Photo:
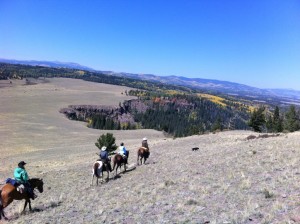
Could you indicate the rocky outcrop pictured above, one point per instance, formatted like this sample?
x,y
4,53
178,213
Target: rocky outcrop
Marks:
x,y
118,114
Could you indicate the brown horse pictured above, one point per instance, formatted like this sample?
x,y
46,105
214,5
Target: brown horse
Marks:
x,y
119,161
144,154
98,169
8,193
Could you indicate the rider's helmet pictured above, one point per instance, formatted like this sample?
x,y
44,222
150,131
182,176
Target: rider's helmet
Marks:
x,y
122,144
103,148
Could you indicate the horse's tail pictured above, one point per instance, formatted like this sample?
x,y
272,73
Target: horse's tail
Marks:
x,y
96,166
138,154
147,154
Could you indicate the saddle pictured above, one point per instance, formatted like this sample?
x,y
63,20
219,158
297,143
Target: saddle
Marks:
x,y
124,156
146,149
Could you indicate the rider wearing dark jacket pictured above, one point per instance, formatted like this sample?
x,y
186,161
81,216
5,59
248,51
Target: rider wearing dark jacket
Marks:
x,y
104,158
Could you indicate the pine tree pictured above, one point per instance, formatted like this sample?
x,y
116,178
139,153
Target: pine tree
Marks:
x,y
277,121
217,125
269,124
291,120
107,140
257,119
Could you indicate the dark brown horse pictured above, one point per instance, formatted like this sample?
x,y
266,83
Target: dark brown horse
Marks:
x,y
142,153
9,193
119,161
98,169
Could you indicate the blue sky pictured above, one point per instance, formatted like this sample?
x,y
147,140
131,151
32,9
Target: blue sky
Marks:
x,y
253,42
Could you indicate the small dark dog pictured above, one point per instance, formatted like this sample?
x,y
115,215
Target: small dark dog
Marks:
x,y
195,148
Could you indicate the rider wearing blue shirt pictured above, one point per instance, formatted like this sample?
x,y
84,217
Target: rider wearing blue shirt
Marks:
x,y
104,158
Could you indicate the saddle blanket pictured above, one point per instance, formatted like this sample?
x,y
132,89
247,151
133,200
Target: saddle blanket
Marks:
x,y
20,187
11,181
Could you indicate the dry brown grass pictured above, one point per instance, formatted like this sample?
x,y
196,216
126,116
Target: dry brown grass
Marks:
x,y
222,182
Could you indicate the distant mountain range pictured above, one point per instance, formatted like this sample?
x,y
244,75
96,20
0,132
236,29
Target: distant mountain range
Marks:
x,y
55,64
285,96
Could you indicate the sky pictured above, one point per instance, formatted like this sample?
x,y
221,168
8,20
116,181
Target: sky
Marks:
x,y
255,42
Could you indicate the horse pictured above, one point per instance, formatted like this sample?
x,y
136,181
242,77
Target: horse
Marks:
x,y
143,153
119,161
98,169
8,193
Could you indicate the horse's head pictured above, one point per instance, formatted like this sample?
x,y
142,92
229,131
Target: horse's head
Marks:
x,y
37,183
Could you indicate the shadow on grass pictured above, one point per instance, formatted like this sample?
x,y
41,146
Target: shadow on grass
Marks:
x,y
128,170
36,209
112,176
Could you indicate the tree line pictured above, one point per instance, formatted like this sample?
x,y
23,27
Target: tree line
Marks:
x,y
277,121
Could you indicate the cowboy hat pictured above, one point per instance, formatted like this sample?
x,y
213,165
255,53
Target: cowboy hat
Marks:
x,y
145,139
22,163
103,148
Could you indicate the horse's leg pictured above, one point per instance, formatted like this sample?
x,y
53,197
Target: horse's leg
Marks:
x,y
117,170
4,203
138,155
25,205
92,180
2,214
5,199
29,202
114,168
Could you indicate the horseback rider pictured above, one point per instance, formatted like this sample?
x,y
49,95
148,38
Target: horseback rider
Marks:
x,y
124,152
21,176
145,144
104,158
